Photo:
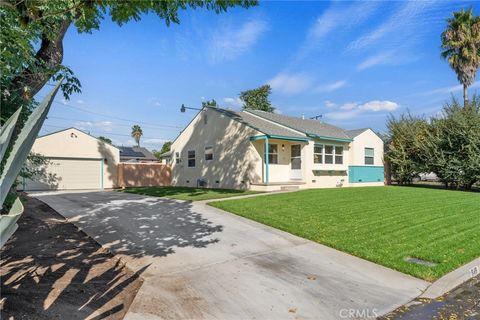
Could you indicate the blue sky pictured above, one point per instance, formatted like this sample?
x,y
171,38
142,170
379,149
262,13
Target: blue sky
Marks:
x,y
352,62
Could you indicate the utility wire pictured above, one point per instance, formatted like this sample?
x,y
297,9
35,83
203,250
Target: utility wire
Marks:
x,y
114,124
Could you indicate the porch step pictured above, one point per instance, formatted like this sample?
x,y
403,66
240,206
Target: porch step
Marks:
x,y
289,188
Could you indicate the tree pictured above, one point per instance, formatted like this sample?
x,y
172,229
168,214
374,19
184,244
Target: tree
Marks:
x,y
461,47
32,34
257,99
166,147
209,103
137,133
105,139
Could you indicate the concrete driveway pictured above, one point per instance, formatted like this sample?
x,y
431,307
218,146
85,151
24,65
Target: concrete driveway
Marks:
x,y
204,263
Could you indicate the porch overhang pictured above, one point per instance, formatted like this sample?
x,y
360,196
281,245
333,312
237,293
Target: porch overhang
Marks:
x,y
315,136
273,136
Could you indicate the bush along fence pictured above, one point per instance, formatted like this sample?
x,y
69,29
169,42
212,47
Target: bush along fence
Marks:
x,y
447,144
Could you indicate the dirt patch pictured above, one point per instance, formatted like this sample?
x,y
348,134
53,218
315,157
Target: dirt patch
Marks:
x,y
51,270
461,303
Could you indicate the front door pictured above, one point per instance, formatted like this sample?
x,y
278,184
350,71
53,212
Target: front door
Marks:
x,y
296,162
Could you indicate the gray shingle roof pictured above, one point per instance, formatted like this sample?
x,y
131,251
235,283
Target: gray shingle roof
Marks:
x,y
355,132
259,124
136,153
307,126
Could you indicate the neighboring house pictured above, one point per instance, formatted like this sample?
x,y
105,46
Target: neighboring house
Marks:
x,y
136,154
166,157
77,160
266,151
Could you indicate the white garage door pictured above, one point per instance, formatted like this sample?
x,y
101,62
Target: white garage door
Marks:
x,y
69,174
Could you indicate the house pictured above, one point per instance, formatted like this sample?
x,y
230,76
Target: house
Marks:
x,y
76,160
136,154
165,157
258,150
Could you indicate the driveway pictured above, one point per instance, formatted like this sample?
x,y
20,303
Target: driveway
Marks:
x,y
204,263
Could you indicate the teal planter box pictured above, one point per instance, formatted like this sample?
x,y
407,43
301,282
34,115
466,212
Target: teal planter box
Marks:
x,y
359,174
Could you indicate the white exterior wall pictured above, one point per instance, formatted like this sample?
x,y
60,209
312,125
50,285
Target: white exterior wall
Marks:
x,y
367,139
236,160
76,145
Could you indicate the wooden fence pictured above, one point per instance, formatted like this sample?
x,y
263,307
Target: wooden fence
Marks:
x,y
143,175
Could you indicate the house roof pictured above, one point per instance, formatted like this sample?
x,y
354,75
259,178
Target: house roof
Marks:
x,y
259,124
355,132
307,126
136,153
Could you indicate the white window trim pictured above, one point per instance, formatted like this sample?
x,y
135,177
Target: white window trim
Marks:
x,y
188,158
332,154
365,156
204,153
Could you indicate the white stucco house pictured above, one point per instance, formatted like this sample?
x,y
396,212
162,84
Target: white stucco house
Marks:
x,y
76,160
257,150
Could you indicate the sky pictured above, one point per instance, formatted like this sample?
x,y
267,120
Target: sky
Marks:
x,y
354,63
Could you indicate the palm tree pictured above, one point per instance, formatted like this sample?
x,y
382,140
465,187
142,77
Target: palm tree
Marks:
x,y
137,133
461,45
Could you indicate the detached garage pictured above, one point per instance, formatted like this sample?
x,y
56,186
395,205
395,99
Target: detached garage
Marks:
x,y
76,160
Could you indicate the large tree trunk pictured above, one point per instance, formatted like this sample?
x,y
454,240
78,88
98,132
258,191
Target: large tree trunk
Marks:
x,y
49,57
465,96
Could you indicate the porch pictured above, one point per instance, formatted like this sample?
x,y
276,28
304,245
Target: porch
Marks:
x,y
282,162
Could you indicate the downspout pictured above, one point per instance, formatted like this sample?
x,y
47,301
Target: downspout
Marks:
x,y
266,160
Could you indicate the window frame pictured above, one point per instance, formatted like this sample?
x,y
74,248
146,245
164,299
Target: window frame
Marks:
x,y
205,153
370,157
324,153
268,153
189,158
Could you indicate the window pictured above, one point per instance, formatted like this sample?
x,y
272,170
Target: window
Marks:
x,y
338,155
273,154
205,119
177,157
191,158
208,153
329,154
318,153
369,152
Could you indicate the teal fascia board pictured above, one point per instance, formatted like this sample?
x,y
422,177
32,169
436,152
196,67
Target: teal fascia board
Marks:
x,y
263,137
360,174
328,138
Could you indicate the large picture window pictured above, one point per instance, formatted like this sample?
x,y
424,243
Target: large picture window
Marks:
x,y
191,158
273,154
318,153
369,156
208,153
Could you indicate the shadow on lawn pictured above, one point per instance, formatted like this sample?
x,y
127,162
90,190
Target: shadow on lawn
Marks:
x,y
51,270
178,191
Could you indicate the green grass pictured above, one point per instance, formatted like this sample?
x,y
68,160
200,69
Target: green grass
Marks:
x,y
380,224
186,193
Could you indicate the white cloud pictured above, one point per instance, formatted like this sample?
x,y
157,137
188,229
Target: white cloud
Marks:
x,y
353,109
154,141
290,83
331,86
451,89
330,104
154,102
106,126
235,102
378,59
80,101
230,43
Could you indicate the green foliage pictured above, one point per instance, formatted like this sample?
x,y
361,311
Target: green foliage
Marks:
x,y
105,139
32,32
257,99
34,166
209,103
137,133
403,149
166,147
448,145
461,46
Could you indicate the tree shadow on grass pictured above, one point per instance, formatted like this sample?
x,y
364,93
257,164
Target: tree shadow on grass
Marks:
x,y
51,270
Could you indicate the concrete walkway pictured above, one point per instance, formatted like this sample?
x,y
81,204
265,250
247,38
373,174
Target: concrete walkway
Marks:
x,y
204,263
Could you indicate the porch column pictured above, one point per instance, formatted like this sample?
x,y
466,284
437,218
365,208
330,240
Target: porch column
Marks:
x,y
265,180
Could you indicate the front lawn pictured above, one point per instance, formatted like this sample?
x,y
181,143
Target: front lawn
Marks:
x,y
187,193
385,225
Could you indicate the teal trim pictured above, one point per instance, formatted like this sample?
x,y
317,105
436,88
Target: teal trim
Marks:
x,y
101,173
360,174
266,161
265,136
328,138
